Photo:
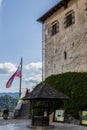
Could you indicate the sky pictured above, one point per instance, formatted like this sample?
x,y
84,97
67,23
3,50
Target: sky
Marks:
x,y
21,36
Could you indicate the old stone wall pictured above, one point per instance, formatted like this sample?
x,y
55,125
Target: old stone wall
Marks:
x,y
72,40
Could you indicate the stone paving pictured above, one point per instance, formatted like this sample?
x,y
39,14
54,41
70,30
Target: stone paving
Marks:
x,y
25,124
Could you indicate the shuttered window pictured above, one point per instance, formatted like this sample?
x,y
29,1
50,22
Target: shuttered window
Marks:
x,y
69,19
54,28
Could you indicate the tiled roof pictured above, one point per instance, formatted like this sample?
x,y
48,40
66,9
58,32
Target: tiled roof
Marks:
x,y
45,92
52,10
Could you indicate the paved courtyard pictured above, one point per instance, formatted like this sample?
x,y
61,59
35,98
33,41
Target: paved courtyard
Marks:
x,y
23,124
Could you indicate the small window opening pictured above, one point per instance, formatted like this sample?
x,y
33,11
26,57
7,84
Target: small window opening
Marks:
x,y
85,6
73,44
70,18
65,55
55,28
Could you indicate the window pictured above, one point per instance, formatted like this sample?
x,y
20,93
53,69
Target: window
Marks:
x,y
54,28
65,55
69,19
85,6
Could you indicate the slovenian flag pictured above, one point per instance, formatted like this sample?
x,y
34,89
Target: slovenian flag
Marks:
x,y
18,73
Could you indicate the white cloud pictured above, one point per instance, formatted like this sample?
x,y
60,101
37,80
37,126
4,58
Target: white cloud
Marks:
x,y
34,76
34,66
7,67
34,79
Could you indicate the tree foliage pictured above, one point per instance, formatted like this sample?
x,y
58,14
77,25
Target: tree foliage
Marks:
x,y
7,102
74,85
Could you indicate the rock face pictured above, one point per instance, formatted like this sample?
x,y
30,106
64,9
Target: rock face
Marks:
x,y
67,49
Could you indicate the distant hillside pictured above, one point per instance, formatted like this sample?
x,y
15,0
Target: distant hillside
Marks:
x,y
7,102
14,95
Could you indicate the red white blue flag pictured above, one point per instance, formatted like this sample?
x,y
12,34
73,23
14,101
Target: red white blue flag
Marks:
x,y
18,73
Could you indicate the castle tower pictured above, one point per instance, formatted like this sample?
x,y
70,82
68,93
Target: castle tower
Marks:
x,y
65,38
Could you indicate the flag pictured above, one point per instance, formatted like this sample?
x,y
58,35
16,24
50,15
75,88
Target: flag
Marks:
x,y
18,73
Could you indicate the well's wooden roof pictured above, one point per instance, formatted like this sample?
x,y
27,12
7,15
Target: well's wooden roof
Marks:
x,y
45,92
52,10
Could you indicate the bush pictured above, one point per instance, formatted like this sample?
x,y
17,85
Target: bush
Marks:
x,y
74,85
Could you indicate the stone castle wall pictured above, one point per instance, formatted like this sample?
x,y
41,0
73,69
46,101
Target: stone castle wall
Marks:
x,y
72,40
